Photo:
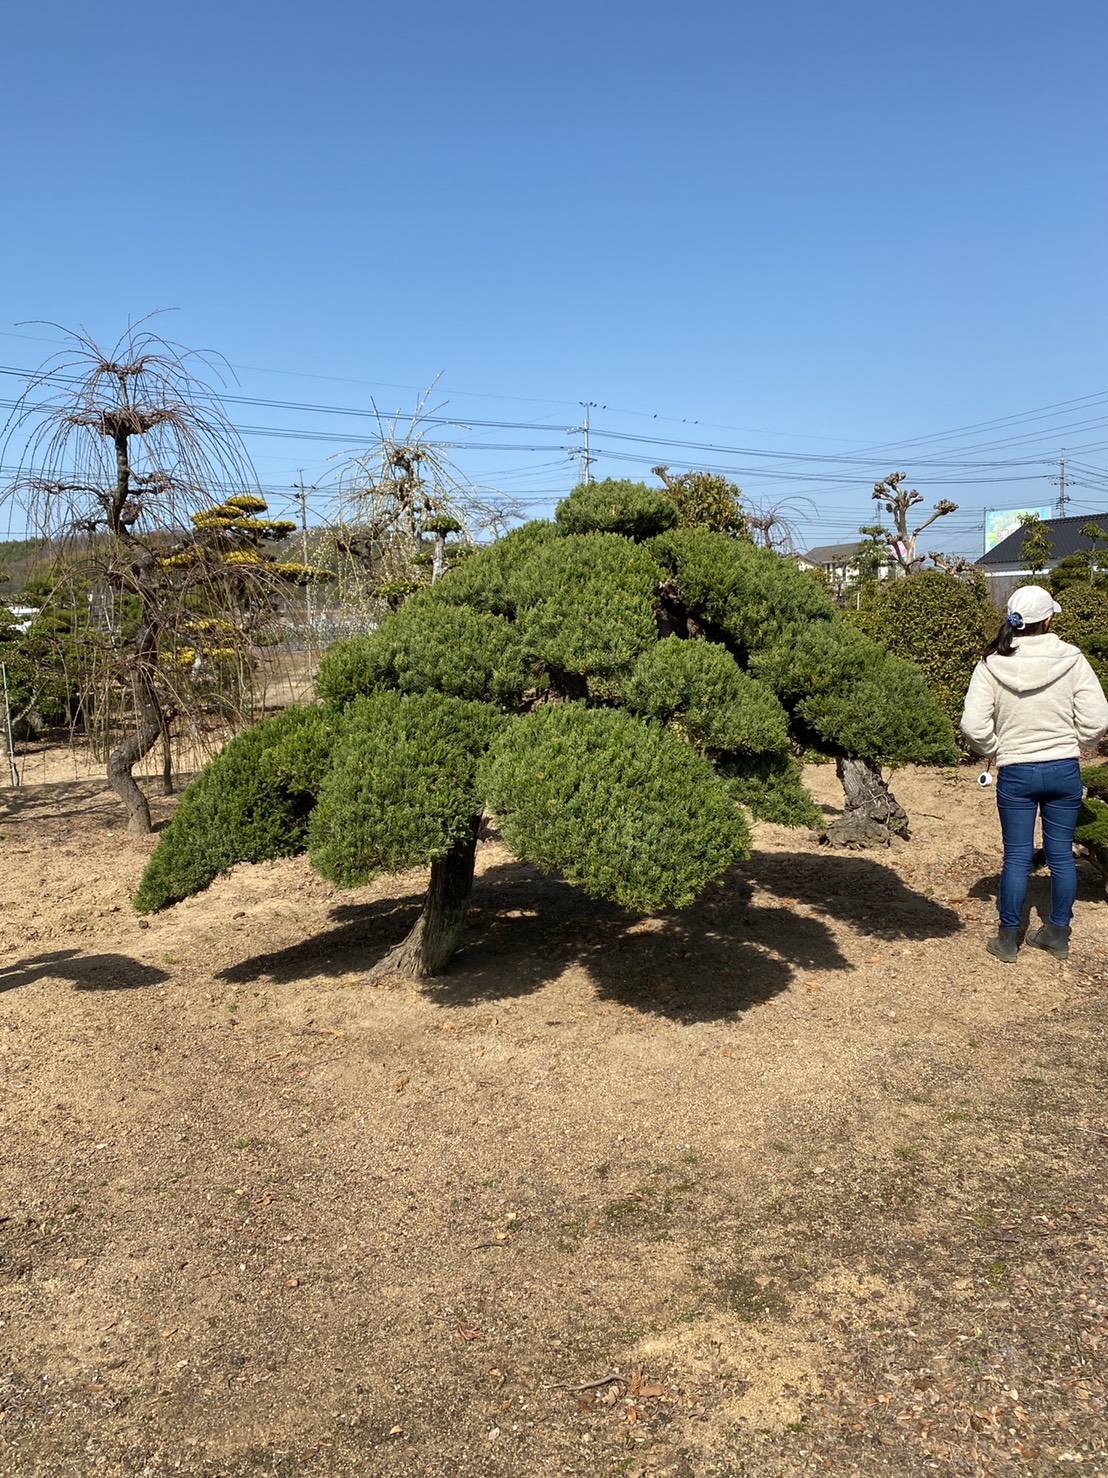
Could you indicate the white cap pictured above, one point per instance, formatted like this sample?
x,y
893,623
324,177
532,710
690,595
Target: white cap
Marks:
x,y
1031,604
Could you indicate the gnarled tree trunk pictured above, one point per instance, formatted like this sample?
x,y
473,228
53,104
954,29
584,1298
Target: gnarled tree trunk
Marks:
x,y
151,722
873,815
121,761
437,932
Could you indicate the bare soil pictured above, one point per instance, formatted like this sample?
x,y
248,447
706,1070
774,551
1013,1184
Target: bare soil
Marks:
x,y
800,1180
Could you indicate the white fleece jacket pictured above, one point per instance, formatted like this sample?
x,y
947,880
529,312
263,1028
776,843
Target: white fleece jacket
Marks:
x,y
1040,703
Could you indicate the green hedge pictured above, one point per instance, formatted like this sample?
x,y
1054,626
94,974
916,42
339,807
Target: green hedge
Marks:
x,y
939,623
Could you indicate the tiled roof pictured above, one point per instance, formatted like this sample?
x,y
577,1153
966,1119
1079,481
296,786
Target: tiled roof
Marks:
x,y
827,554
1065,532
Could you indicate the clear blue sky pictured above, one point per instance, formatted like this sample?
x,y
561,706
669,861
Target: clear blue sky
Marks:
x,y
820,232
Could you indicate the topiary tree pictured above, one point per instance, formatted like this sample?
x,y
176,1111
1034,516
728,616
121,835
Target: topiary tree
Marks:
x,y
936,620
1092,821
616,700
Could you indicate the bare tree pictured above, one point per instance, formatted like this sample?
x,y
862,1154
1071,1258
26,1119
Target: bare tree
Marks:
x,y
775,525
897,501
396,494
119,454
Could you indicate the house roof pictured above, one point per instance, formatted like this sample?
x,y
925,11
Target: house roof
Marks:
x,y
827,554
1065,532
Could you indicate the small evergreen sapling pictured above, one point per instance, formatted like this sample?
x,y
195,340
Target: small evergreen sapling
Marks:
x,y
614,697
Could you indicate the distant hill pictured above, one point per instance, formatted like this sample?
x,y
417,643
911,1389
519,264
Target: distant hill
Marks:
x,y
17,556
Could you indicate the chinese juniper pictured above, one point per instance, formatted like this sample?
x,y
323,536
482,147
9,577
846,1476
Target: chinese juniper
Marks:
x,y
613,688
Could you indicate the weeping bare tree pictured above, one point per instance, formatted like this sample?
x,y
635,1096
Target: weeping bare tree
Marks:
x,y
124,461
774,525
397,502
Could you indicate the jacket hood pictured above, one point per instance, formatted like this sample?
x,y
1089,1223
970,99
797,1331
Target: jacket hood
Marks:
x,y
1035,663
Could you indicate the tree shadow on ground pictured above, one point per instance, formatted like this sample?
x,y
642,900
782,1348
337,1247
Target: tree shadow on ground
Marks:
x,y
855,890
715,959
362,933
87,972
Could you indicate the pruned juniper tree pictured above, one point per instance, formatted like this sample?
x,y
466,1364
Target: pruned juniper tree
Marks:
x,y
617,692
126,463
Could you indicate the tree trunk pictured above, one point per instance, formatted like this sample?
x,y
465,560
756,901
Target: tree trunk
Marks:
x,y
437,932
121,762
438,562
167,762
150,724
873,815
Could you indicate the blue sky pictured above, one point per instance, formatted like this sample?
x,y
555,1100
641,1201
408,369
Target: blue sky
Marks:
x,y
806,240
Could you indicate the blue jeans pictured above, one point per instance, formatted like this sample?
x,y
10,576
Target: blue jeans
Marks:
x,y
1051,788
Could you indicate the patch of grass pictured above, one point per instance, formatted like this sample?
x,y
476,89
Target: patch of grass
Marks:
x,y
250,1142
624,1211
904,1152
997,1274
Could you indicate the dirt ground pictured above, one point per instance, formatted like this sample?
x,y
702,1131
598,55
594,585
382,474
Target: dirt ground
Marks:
x,y
798,1181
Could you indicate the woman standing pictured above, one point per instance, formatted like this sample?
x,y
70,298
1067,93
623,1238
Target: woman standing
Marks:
x,y
1032,703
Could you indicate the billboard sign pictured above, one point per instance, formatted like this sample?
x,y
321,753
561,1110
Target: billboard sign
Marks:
x,y
1000,522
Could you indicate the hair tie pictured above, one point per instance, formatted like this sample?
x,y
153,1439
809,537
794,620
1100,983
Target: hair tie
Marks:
x,y
1014,619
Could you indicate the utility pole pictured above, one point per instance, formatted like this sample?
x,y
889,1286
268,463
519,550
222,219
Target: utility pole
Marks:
x,y
303,498
1062,484
586,456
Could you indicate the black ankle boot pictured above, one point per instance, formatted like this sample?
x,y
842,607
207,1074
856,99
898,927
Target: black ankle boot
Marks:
x,y
1054,938
1006,945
